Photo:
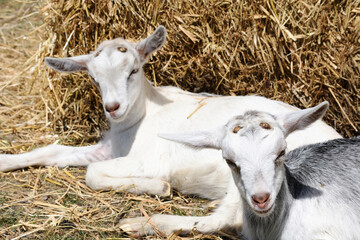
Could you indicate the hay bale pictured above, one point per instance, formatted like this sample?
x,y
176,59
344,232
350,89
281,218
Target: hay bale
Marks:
x,y
300,52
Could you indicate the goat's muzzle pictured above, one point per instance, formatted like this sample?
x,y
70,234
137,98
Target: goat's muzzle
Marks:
x,y
261,200
111,108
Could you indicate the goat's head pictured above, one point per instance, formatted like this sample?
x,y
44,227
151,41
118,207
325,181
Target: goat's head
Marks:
x,y
253,146
116,67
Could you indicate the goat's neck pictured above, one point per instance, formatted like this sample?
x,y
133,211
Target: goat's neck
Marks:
x,y
148,98
269,227
153,98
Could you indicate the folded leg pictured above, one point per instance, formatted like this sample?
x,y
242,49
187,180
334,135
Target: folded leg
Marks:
x,y
227,215
125,174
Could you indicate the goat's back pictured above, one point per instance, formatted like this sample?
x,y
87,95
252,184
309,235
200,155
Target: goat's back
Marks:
x,y
323,180
332,165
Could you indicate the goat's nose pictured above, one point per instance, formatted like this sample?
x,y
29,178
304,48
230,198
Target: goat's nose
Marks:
x,y
112,107
261,199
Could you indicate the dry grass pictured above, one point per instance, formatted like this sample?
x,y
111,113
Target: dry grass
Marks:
x,y
56,204
300,52
19,118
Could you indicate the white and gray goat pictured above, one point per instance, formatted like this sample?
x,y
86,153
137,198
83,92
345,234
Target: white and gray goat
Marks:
x,y
311,193
131,157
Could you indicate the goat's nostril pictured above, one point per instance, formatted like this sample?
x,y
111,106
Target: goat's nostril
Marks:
x,y
260,198
117,106
112,107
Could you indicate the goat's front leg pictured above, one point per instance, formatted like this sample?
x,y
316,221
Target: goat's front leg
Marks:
x,y
126,174
227,215
57,155
165,224
135,185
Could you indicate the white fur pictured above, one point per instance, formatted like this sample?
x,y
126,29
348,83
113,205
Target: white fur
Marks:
x,y
131,149
251,154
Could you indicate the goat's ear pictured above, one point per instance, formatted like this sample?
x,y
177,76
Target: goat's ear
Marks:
x,y
200,139
69,64
301,119
152,43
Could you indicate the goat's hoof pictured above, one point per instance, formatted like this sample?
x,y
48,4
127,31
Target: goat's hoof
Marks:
x,y
128,228
135,227
166,190
214,204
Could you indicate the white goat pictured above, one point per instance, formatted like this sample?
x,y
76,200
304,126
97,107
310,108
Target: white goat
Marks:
x,y
136,159
312,193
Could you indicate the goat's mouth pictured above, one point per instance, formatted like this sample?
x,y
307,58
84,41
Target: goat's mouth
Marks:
x,y
265,211
118,115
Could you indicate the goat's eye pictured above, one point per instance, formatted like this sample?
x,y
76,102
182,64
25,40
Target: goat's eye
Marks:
x,y
282,153
236,129
265,125
279,159
122,49
232,164
134,71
